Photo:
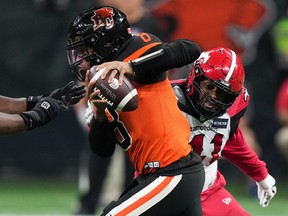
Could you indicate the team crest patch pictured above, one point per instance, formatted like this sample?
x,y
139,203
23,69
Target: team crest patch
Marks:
x,y
103,17
227,200
220,123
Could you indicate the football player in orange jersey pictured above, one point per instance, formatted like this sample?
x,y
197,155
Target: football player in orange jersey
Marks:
x,y
20,114
155,136
213,99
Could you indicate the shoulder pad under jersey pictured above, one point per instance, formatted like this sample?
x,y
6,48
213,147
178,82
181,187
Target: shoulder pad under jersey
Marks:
x,y
240,104
180,95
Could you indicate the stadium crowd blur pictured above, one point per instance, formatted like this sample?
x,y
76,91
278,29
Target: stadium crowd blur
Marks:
x,y
33,59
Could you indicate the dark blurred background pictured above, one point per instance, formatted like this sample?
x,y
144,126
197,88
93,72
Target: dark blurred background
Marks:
x,y
33,61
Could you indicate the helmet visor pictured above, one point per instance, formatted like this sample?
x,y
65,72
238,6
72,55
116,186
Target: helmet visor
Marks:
x,y
76,53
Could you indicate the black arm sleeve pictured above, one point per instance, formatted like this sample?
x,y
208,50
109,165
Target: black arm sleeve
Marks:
x,y
174,54
101,139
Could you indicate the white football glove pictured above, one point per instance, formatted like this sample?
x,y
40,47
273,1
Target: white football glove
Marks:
x,y
266,190
89,113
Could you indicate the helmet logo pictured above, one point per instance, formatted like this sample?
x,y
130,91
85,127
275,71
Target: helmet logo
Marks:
x,y
204,57
103,17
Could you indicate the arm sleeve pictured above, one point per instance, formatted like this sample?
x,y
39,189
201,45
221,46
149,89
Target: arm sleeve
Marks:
x,y
174,54
101,139
239,153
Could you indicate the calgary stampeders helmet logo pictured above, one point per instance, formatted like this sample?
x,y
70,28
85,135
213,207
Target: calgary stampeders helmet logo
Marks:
x,y
103,17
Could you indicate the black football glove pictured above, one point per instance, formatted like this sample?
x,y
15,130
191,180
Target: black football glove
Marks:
x,y
31,101
43,112
70,94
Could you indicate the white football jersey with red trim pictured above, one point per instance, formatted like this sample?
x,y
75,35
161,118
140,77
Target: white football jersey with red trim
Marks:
x,y
209,137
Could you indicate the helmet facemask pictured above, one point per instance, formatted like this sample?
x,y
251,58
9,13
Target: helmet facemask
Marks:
x,y
82,50
209,107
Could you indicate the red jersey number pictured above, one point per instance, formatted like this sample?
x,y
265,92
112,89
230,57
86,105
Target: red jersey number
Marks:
x,y
197,144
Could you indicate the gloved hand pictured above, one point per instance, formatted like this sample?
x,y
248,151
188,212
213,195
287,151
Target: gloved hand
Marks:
x,y
43,112
70,94
266,190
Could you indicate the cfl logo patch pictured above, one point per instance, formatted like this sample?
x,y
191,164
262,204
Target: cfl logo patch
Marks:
x,y
45,105
227,200
114,84
154,164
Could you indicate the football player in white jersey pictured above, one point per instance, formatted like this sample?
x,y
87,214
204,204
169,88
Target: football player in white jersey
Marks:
x,y
213,99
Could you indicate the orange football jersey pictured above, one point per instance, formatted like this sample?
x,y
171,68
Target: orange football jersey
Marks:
x,y
156,134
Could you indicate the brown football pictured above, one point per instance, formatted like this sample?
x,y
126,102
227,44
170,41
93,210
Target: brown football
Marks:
x,y
121,98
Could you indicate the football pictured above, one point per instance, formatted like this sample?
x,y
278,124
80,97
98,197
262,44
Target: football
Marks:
x,y
121,98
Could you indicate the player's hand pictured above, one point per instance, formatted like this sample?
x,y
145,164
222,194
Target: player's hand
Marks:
x,y
43,112
117,67
70,94
99,105
266,190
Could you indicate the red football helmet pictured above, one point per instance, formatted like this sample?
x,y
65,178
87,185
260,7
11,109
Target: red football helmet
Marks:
x,y
223,68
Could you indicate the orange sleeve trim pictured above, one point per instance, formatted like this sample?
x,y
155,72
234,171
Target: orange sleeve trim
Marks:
x,y
140,51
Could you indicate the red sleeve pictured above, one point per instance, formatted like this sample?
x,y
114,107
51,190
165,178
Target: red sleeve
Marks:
x,y
239,153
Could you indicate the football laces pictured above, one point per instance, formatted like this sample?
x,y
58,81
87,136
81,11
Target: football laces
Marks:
x,y
102,97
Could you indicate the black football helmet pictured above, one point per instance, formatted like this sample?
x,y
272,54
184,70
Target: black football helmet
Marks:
x,y
96,35
223,68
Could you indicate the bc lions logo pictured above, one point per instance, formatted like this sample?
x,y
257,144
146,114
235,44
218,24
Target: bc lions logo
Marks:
x,y
103,17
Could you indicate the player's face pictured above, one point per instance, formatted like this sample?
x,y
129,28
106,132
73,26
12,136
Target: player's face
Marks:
x,y
210,95
84,65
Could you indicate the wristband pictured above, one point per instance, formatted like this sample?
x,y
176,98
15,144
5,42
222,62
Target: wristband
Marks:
x,y
31,101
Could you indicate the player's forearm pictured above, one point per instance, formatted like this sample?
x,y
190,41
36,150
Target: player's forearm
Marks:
x,y
12,105
101,139
11,124
174,54
240,154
